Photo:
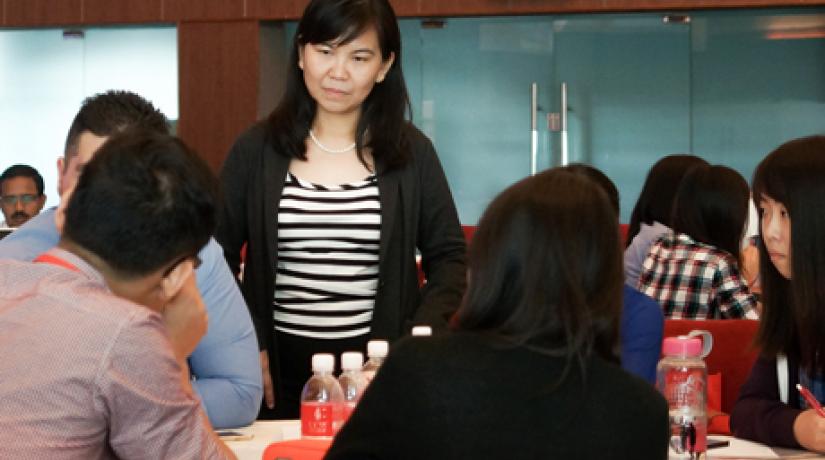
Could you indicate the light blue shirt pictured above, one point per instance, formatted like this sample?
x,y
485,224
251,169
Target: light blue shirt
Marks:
x,y
226,363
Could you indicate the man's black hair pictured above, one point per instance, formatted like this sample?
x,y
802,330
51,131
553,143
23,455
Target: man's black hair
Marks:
x,y
142,202
24,171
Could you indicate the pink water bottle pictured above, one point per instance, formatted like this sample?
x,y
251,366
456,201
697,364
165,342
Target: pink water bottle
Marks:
x,y
322,400
682,378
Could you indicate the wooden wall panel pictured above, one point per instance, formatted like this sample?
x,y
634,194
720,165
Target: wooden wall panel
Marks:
x,y
406,7
20,13
275,9
595,6
121,11
436,8
292,9
203,10
218,84
41,13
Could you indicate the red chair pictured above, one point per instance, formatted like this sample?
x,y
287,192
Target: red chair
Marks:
x,y
732,356
468,232
297,449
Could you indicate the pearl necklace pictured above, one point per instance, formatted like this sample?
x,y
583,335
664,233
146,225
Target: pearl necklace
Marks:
x,y
327,149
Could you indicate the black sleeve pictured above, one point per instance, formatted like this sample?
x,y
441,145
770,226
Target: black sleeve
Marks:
x,y
236,177
232,223
440,241
758,414
381,424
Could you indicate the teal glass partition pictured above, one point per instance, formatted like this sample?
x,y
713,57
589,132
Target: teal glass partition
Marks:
x,y
758,80
475,102
726,85
628,93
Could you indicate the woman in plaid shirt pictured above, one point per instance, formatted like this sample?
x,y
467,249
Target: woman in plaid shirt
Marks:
x,y
693,272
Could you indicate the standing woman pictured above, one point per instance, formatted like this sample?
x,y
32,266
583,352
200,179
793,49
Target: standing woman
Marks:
x,y
332,194
789,188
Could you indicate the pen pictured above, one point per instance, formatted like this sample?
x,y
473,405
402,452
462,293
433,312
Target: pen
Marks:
x,y
809,398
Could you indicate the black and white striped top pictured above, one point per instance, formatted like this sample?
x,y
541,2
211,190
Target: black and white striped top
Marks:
x,y
327,271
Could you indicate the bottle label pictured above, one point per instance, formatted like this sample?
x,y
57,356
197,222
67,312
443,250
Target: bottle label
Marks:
x,y
320,419
684,389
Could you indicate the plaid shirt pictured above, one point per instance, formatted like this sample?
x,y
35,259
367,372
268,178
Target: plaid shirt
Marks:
x,y
693,280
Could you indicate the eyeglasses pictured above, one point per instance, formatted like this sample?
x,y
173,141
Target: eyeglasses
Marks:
x,y
11,200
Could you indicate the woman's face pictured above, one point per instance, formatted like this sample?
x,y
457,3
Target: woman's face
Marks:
x,y
776,233
340,76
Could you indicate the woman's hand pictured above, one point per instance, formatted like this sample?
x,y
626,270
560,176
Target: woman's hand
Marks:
x,y
809,430
269,392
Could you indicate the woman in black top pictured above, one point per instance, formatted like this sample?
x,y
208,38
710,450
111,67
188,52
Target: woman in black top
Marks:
x,y
333,194
530,370
789,189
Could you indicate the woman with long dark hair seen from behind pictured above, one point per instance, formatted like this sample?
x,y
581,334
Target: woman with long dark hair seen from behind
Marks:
x,y
332,196
530,369
651,216
789,189
693,272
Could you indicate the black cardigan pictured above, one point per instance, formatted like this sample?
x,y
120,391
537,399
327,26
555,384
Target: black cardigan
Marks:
x,y
417,211
464,396
759,414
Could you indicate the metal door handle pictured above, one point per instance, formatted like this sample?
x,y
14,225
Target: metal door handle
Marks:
x,y
534,132
563,110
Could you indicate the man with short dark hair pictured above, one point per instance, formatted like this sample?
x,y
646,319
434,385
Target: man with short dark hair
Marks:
x,y
225,365
21,195
88,371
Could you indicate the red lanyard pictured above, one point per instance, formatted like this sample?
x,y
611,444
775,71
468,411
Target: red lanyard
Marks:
x,y
54,260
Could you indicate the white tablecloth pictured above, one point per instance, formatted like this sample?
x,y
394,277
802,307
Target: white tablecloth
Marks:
x,y
264,432
741,449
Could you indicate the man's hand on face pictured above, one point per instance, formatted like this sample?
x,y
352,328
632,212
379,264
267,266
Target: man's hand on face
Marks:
x,y
185,318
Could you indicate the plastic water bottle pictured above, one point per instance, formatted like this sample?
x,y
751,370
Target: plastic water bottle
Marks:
x,y
352,380
322,400
682,378
422,331
376,351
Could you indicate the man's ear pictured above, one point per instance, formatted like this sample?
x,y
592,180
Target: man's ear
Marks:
x,y
41,202
172,283
60,216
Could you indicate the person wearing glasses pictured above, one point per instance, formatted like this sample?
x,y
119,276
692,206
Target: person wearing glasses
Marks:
x,y
113,384
21,195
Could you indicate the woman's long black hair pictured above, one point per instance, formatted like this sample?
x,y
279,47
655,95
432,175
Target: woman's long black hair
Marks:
x,y
545,269
384,114
655,202
794,310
